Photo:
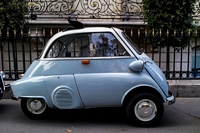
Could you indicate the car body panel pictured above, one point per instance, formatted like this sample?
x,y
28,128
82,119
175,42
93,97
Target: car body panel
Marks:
x,y
95,78
109,89
157,75
67,66
63,91
33,87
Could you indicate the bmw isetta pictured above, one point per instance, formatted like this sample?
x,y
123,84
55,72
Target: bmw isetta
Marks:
x,y
94,67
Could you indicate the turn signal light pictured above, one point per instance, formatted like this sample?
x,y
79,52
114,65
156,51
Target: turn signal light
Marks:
x,y
21,75
85,61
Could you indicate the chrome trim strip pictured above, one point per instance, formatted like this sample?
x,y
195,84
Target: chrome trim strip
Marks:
x,y
90,58
171,99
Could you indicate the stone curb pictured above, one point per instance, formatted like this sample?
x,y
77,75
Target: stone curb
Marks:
x,y
185,88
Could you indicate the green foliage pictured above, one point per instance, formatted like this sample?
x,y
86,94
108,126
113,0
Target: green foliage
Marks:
x,y
13,16
172,18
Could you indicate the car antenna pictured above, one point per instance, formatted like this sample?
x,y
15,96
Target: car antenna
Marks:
x,y
76,24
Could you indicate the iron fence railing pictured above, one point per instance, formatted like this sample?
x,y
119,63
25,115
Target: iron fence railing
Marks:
x,y
17,53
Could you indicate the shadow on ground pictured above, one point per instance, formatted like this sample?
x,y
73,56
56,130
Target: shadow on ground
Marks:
x,y
105,115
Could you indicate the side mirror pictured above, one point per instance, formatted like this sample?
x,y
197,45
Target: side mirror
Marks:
x,y
137,65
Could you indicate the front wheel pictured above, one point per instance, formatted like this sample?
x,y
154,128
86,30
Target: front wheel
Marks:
x,y
145,109
34,108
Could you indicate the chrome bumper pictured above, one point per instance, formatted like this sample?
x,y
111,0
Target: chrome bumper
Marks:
x,y
171,99
7,87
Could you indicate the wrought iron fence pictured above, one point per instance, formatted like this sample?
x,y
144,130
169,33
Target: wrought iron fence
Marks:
x,y
17,53
123,10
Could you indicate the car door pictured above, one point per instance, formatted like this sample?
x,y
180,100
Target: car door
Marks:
x,y
104,75
58,70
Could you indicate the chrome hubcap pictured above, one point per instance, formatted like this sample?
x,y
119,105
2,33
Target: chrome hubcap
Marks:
x,y
36,106
145,110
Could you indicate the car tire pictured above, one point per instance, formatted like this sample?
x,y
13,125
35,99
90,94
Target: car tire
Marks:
x,y
145,109
34,108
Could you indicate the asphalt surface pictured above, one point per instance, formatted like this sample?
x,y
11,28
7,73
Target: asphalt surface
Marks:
x,y
181,117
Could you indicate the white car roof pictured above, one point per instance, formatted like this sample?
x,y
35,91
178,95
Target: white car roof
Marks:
x,y
89,29
83,30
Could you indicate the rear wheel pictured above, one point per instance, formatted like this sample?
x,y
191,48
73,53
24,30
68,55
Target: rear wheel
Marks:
x,y
34,108
145,109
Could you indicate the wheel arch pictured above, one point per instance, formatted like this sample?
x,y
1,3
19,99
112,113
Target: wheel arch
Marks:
x,y
139,90
42,97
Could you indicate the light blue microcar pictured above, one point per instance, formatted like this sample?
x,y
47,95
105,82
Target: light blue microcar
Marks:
x,y
90,68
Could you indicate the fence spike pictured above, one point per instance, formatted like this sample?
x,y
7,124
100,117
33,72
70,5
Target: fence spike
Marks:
x,y
51,32
14,32
145,32
139,32
160,32
167,32
7,32
174,32
43,32
196,32
29,32
188,32
131,32
36,32
21,32
153,32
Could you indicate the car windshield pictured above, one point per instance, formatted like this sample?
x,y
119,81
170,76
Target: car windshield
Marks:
x,y
134,46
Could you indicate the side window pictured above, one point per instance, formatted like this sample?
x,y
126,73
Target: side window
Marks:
x,y
69,46
105,44
86,45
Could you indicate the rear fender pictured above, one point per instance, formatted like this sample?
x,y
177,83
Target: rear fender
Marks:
x,y
32,87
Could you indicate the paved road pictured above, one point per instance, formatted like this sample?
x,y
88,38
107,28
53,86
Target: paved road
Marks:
x,y
183,116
